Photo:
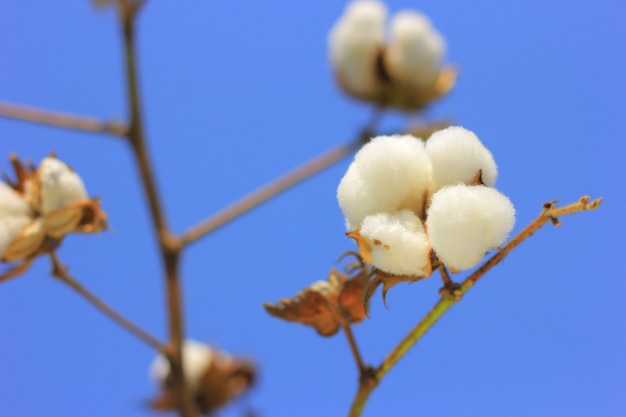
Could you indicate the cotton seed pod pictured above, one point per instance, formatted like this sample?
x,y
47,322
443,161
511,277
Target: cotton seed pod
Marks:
x,y
416,50
464,222
397,243
213,377
197,357
15,215
60,186
456,155
64,202
388,174
354,44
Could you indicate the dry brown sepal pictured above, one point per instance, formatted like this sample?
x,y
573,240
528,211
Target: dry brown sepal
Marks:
x,y
225,379
45,230
390,93
327,305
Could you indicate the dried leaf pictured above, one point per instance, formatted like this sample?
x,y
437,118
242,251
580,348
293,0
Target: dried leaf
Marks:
x,y
351,298
310,307
326,305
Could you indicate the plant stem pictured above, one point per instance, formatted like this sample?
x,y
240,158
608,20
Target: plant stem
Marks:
x,y
62,120
549,213
347,329
60,271
169,246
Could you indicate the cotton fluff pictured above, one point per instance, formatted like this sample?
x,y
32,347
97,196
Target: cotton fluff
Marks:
x,y
416,50
60,186
354,43
456,155
388,174
464,222
14,216
196,359
398,243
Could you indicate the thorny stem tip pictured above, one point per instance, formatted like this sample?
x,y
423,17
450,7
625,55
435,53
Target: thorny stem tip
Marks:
x,y
549,213
60,271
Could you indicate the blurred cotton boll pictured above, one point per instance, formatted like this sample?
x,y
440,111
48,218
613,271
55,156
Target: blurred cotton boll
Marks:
x,y
464,222
60,186
15,214
388,174
457,155
398,243
197,357
416,50
214,378
354,44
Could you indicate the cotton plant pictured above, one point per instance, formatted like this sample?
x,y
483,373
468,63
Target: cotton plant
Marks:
x,y
411,204
398,65
40,208
413,207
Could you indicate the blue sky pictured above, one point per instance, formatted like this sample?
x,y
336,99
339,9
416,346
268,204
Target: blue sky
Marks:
x,y
236,93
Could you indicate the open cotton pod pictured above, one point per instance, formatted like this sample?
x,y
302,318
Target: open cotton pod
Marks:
x,y
395,243
464,222
388,174
405,71
354,45
64,203
214,378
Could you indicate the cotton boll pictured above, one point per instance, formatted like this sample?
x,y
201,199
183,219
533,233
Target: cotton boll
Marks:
x,y
11,203
354,43
416,50
197,358
14,216
388,174
60,186
398,243
456,155
464,222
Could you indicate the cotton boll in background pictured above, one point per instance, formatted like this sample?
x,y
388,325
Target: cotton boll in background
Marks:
x,y
464,222
354,43
398,243
456,155
197,358
60,186
388,174
14,216
416,50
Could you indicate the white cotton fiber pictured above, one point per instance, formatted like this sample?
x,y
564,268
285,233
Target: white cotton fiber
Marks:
x,y
197,357
456,155
416,50
398,243
388,174
354,43
14,216
464,222
60,186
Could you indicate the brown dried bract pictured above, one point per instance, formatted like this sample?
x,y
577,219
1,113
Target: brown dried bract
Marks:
x,y
327,305
225,379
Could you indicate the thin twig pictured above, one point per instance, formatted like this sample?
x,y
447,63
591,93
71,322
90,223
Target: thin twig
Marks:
x,y
288,180
347,329
169,246
550,213
445,277
60,271
62,120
